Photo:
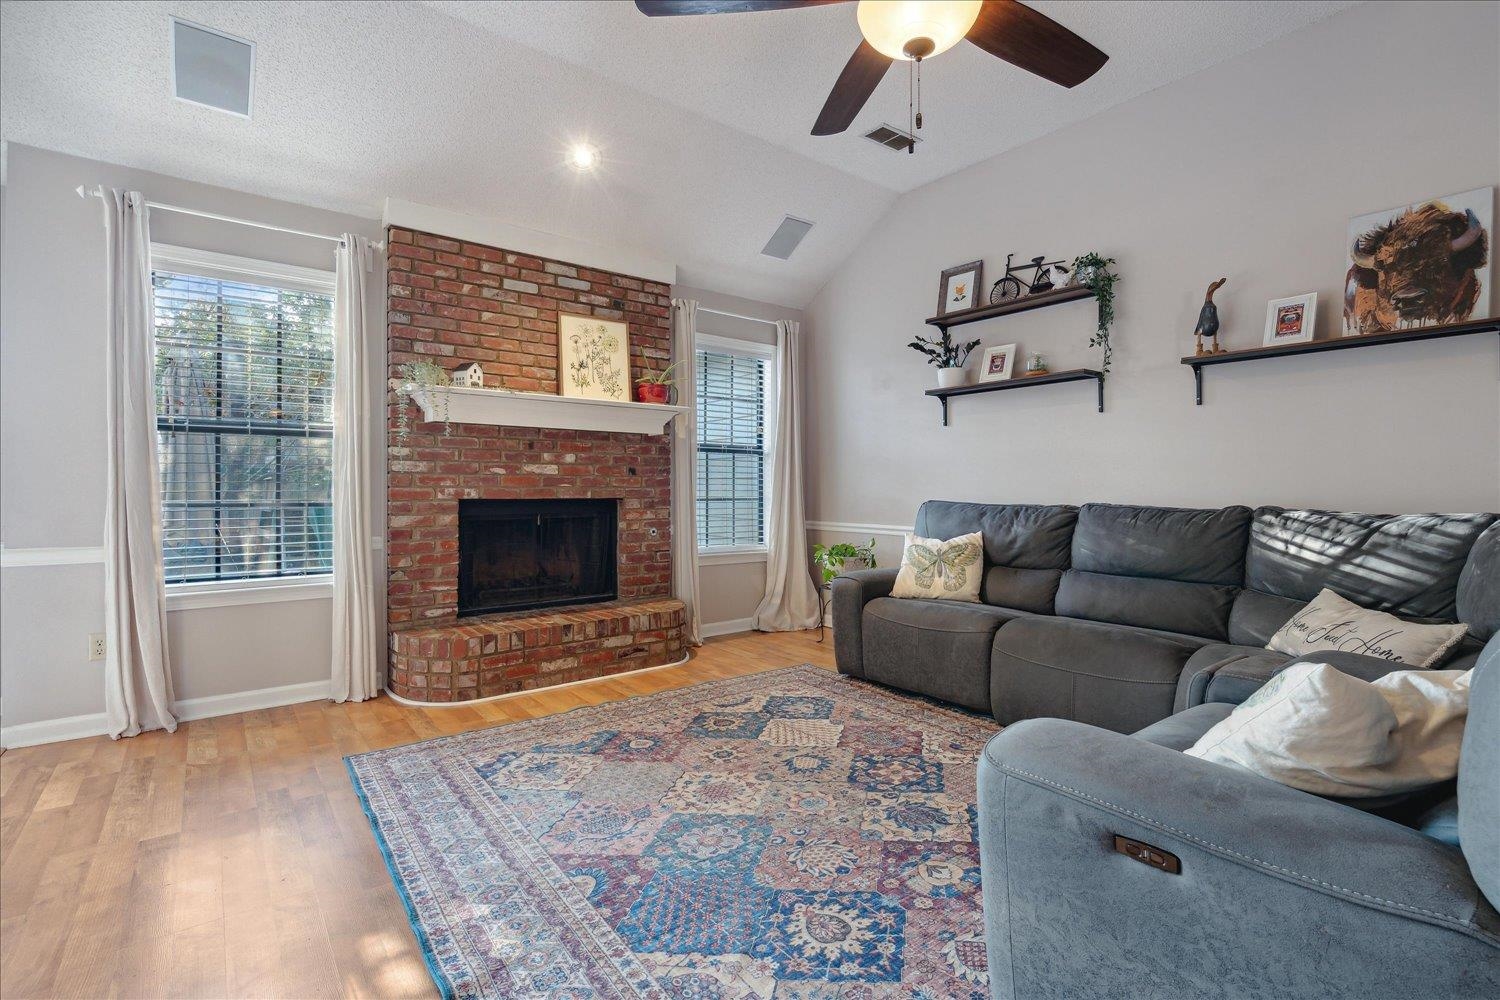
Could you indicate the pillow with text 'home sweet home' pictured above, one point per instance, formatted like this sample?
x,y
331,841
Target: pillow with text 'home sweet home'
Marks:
x,y
1329,621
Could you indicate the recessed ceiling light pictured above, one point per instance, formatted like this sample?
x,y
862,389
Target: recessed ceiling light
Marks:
x,y
583,156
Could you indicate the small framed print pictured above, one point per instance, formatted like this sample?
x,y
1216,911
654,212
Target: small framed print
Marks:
x,y
1290,321
958,289
997,363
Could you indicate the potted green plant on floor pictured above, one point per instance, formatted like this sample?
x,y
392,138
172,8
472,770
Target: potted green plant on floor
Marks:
x,y
831,560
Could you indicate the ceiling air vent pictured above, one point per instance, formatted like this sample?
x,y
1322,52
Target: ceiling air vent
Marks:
x,y
211,68
786,238
892,138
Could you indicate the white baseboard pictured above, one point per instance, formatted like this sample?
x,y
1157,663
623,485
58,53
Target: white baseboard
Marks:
x,y
249,701
710,630
79,727
30,734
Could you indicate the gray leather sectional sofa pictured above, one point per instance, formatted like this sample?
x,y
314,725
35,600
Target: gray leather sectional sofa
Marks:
x,y
1121,616
1131,617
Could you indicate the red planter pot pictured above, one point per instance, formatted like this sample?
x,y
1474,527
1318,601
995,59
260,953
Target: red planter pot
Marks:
x,y
651,392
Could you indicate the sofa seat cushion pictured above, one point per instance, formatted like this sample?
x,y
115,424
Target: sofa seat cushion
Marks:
x,y
1222,672
1180,731
1113,676
937,648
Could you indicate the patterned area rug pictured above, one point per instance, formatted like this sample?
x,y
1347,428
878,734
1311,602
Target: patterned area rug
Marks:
x,y
794,835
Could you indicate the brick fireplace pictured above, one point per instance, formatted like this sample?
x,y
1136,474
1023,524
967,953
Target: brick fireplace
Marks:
x,y
454,302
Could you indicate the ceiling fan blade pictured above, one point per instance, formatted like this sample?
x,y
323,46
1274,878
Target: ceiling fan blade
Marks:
x,y
861,75
674,8
1034,42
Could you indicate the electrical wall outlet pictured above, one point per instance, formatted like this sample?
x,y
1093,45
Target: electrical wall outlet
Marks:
x,y
96,646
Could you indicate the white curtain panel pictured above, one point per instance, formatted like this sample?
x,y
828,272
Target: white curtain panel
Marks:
x,y
137,668
791,600
684,470
357,647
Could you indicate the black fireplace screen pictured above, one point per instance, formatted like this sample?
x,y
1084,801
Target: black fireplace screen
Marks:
x,y
516,554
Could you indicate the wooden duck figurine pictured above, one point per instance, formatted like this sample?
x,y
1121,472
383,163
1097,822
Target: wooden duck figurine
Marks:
x,y
1208,321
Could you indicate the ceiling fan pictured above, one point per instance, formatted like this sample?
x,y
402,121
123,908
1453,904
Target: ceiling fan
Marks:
x,y
914,30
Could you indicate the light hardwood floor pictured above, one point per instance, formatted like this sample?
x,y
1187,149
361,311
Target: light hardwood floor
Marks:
x,y
232,858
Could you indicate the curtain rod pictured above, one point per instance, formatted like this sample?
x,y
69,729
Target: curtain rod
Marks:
x,y
752,319
98,192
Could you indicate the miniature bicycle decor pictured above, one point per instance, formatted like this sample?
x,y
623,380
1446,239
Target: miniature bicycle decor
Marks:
x,y
1010,287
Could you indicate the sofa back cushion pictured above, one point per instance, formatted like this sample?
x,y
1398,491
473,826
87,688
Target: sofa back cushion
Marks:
x,y
1479,586
1404,564
1167,568
1026,547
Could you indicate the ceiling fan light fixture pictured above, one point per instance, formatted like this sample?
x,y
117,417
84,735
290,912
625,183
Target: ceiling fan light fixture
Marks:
x,y
897,28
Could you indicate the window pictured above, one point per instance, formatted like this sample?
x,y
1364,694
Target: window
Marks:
x,y
733,381
244,417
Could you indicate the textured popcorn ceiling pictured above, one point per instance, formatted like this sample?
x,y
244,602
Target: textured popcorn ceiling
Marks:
x,y
702,122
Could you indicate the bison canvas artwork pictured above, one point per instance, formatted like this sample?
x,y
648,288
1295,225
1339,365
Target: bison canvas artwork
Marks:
x,y
1420,265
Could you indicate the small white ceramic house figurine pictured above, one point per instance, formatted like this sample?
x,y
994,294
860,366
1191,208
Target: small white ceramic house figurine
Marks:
x,y
470,375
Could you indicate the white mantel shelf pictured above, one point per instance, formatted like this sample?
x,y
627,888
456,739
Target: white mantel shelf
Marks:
x,y
539,409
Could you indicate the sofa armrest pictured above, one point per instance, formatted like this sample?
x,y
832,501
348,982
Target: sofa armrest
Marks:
x,y
1280,893
851,592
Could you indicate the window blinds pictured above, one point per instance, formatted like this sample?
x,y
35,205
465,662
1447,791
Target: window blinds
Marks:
x,y
731,474
244,394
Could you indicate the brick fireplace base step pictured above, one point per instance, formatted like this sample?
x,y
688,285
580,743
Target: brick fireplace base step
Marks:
x,y
500,654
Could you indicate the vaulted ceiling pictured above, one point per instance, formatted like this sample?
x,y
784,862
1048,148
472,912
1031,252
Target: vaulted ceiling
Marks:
x,y
702,121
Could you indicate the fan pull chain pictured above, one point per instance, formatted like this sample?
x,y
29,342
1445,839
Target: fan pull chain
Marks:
x,y
911,74
919,94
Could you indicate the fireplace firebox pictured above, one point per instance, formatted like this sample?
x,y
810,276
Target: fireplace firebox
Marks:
x,y
519,554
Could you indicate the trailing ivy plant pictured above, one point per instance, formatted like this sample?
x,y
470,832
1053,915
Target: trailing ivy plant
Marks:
x,y
411,378
942,351
1093,271
830,558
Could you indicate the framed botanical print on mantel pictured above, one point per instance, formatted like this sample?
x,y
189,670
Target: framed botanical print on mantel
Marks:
x,y
593,358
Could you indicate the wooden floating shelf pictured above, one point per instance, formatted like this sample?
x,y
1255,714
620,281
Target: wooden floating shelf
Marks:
x,y
1200,361
1022,304
1020,382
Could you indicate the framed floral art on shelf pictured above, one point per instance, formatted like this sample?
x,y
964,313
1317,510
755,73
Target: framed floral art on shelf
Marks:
x,y
593,358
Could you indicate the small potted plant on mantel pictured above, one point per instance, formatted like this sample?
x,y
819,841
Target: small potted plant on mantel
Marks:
x,y
656,387
949,357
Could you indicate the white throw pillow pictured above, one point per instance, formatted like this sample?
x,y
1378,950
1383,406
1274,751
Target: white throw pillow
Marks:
x,y
946,571
1315,728
1329,621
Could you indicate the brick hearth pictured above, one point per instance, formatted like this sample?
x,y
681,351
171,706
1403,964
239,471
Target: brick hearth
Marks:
x,y
454,302
500,654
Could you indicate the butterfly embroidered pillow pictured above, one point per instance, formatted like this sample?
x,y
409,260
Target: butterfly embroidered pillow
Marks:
x,y
944,571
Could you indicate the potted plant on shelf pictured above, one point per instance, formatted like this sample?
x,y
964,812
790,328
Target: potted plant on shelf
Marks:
x,y
656,387
1093,271
413,377
830,560
949,357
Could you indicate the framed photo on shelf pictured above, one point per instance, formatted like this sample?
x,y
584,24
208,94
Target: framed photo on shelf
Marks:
x,y
998,362
1290,320
958,288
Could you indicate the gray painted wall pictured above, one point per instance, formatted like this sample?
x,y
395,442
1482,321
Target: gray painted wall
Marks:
x,y
52,445
1249,170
